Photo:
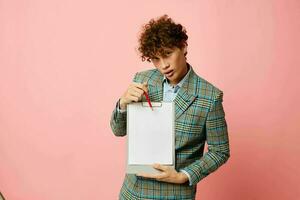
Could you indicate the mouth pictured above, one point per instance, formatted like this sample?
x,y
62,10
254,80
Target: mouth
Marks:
x,y
169,73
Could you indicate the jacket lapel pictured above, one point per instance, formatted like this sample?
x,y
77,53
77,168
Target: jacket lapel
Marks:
x,y
186,94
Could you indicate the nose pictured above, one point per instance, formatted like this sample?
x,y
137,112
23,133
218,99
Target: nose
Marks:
x,y
164,64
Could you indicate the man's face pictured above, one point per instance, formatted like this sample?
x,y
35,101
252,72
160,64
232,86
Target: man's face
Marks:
x,y
173,65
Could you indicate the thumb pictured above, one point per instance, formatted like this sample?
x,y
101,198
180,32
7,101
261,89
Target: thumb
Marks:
x,y
159,167
145,86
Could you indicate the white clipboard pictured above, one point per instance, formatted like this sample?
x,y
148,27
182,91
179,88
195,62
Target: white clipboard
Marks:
x,y
150,136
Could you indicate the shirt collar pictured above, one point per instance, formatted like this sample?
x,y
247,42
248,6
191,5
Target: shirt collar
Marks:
x,y
182,80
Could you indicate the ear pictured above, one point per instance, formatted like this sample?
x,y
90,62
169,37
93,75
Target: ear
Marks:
x,y
185,48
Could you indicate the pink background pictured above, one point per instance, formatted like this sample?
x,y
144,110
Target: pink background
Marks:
x,y
63,65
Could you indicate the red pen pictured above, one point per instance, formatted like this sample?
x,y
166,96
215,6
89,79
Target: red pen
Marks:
x,y
148,99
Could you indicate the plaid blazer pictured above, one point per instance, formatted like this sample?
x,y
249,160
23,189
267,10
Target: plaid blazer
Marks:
x,y
199,118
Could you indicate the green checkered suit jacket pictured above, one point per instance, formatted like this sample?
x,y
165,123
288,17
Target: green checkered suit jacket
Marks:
x,y
199,117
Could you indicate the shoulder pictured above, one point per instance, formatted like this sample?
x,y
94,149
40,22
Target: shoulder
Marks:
x,y
207,90
147,76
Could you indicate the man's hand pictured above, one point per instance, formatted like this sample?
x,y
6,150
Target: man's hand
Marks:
x,y
167,174
133,93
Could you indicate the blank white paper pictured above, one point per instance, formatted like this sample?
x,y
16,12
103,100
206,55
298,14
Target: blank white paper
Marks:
x,y
150,134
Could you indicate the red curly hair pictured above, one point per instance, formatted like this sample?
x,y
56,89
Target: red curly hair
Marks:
x,y
159,34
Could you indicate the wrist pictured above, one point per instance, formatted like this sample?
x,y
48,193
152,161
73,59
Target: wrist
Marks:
x,y
182,177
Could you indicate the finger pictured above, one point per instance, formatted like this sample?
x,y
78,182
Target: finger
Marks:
x,y
160,167
147,175
133,98
142,86
138,91
138,85
135,92
159,176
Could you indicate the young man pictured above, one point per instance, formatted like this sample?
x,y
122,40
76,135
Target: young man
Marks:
x,y
199,115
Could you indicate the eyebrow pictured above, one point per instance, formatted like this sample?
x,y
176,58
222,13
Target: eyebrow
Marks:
x,y
166,51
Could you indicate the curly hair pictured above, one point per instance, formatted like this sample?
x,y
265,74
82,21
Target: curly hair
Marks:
x,y
159,34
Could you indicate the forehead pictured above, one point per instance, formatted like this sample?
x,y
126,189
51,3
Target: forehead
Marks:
x,y
165,49
161,51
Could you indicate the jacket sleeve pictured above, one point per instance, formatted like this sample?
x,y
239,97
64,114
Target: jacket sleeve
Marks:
x,y
217,141
118,120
